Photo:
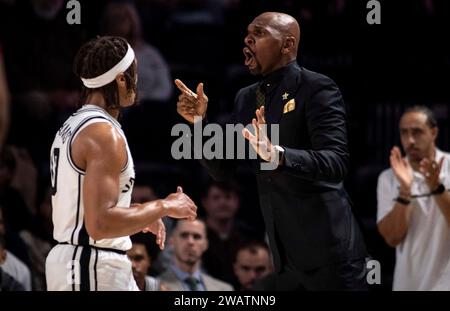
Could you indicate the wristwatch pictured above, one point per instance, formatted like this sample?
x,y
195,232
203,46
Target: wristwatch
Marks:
x,y
402,201
440,189
280,152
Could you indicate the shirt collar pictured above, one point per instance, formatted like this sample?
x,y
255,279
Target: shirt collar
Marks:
x,y
182,275
100,109
439,154
273,79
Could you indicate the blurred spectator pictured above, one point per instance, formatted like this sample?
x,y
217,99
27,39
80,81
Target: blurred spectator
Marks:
x,y
196,12
15,243
225,232
252,263
7,282
190,242
154,81
14,207
42,59
4,102
141,260
2,223
44,228
25,178
38,59
12,265
143,193
38,250
414,205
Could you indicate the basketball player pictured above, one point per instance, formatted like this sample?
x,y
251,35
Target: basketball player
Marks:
x,y
92,178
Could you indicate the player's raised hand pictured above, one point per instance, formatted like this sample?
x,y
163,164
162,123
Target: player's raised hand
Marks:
x,y
180,205
190,104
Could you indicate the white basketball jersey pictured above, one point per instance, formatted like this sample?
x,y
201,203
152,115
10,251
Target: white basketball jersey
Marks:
x,y
67,182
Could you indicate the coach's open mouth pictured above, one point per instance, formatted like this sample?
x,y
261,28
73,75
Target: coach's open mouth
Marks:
x,y
249,57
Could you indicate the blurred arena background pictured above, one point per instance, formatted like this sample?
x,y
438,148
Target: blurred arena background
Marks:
x,y
380,69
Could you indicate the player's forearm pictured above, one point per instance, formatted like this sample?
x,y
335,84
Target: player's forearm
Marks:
x,y
443,202
117,221
394,226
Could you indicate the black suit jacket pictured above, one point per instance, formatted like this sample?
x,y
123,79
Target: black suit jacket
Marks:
x,y
306,210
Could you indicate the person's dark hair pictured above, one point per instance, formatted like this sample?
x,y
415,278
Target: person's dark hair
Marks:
x,y
177,221
252,246
227,187
7,159
431,118
149,242
109,20
97,57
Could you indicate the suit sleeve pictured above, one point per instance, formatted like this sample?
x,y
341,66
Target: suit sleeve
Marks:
x,y
327,159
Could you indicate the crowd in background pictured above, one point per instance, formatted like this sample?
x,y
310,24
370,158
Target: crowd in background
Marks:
x,y
200,41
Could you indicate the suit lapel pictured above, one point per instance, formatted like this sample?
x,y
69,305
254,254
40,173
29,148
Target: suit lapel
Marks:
x,y
172,281
289,85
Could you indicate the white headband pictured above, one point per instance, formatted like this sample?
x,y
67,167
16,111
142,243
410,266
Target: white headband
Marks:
x,y
111,74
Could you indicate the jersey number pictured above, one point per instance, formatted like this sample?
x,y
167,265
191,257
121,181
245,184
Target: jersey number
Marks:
x,y
54,169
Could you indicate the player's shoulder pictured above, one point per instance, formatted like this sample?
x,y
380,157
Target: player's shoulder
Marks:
x,y
101,137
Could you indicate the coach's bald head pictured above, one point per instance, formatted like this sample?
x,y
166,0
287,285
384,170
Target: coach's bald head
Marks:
x,y
271,43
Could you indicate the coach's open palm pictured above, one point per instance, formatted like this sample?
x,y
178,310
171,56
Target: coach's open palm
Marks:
x,y
179,205
190,104
260,141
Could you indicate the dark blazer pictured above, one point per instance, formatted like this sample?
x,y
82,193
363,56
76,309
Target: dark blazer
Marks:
x,y
306,210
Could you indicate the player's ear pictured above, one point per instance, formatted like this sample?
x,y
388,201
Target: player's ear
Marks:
x,y
121,82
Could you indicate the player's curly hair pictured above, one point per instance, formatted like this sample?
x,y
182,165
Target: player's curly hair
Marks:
x,y
98,56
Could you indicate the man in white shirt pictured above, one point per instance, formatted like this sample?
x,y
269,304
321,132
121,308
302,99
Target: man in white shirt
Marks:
x,y
414,205
17,269
12,265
